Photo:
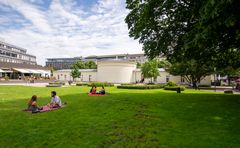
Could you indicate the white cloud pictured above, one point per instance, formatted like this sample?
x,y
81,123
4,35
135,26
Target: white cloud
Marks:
x,y
67,30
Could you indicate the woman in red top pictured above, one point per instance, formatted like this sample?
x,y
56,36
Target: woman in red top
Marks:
x,y
93,90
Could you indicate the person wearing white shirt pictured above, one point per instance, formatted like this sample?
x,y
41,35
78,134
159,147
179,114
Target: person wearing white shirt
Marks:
x,y
56,101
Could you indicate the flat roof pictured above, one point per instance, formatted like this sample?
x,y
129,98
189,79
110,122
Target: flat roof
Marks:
x,y
160,69
81,70
4,65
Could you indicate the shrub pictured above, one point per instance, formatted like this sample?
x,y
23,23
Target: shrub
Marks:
x,y
140,86
82,84
56,83
228,91
171,83
204,85
99,84
174,88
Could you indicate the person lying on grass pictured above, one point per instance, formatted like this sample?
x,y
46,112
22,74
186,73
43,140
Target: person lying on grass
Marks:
x,y
56,101
32,104
93,90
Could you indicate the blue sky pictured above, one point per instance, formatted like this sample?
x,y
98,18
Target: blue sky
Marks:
x,y
66,28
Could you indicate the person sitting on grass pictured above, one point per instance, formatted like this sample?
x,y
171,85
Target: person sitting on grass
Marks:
x,y
102,91
56,101
93,90
32,105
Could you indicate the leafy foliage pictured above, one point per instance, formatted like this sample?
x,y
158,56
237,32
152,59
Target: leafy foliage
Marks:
x,y
84,65
150,69
159,86
208,29
75,73
192,71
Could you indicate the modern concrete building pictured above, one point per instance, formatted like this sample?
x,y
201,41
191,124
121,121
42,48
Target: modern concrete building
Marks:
x,y
118,71
62,63
65,63
12,54
15,63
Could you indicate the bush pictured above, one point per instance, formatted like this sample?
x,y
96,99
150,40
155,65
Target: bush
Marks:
x,y
204,85
97,84
56,83
171,83
82,84
140,86
174,88
228,91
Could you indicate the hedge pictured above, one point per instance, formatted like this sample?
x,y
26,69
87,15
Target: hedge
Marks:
x,y
140,86
174,88
228,91
204,85
56,83
97,84
82,84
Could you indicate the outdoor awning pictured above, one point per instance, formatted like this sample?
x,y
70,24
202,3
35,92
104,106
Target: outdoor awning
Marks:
x,y
33,71
1,71
21,70
43,72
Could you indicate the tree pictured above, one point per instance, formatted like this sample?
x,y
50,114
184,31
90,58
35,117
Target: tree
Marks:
x,y
139,65
75,73
84,65
164,64
90,65
192,70
229,72
150,69
180,29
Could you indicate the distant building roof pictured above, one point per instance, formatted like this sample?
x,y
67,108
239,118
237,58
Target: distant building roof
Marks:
x,y
81,70
160,69
19,65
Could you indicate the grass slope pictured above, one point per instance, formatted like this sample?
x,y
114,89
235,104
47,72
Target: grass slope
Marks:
x,y
123,118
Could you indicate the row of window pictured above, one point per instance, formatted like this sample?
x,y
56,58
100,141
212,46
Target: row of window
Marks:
x,y
15,61
14,55
8,54
12,48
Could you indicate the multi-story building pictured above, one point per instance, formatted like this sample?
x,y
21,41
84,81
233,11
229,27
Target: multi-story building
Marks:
x,y
13,54
65,63
15,63
62,63
139,58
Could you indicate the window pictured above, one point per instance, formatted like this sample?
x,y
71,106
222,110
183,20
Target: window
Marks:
x,y
58,77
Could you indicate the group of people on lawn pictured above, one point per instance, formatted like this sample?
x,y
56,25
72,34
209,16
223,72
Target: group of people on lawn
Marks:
x,y
55,100
55,103
93,90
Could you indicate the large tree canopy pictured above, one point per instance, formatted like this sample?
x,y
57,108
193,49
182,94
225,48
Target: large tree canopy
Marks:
x,y
187,29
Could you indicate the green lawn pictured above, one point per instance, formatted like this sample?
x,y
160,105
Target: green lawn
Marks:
x,y
123,118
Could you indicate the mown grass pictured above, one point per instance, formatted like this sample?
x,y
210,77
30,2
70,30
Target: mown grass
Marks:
x,y
123,118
